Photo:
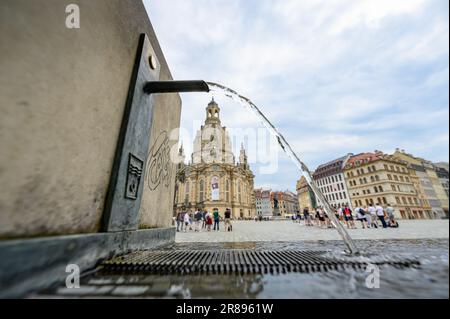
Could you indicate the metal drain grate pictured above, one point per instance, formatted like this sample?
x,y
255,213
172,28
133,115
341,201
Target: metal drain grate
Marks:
x,y
236,261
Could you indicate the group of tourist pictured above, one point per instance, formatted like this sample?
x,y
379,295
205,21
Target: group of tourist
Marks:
x,y
369,217
202,220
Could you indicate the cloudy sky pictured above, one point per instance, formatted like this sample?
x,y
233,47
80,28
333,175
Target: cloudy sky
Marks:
x,y
335,76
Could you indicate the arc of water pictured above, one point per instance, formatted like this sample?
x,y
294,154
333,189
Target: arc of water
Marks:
x,y
248,104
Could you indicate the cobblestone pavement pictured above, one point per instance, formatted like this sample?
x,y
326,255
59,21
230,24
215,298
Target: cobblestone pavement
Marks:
x,y
251,231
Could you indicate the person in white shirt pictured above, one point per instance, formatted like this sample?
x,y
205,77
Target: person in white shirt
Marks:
x,y
380,214
368,217
187,221
341,213
373,216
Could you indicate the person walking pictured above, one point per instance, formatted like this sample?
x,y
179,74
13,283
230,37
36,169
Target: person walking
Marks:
x,y
361,216
198,216
336,213
204,219
208,221
349,217
228,226
183,213
179,221
373,216
307,217
380,214
367,217
321,217
341,213
216,218
187,221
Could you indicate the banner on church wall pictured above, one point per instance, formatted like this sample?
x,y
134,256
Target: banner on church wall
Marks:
x,y
215,188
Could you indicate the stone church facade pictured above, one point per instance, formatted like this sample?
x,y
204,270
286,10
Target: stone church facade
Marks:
x,y
213,179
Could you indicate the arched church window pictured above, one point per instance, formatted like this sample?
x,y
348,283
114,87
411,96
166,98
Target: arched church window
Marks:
x,y
186,191
201,191
239,191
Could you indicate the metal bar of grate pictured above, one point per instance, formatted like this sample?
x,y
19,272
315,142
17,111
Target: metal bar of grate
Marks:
x,y
238,261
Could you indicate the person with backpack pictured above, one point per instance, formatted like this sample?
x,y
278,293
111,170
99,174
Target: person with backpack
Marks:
x,y
361,216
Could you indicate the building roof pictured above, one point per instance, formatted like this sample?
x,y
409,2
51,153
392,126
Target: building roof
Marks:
x,y
331,168
364,158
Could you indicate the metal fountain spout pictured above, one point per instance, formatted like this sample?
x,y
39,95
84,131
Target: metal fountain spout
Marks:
x,y
175,86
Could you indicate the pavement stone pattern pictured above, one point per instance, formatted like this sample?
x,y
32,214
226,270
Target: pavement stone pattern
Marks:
x,y
251,231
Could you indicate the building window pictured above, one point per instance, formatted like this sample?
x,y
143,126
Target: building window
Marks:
x,y
201,191
239,191
186,191
227,190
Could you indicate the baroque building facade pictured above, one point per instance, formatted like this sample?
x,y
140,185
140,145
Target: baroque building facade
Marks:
x,y
213,179
384,179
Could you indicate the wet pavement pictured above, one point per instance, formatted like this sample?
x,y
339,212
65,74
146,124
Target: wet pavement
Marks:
x,y
429,280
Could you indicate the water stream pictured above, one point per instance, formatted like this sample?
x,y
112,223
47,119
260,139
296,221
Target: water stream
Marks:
x,y
249,105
